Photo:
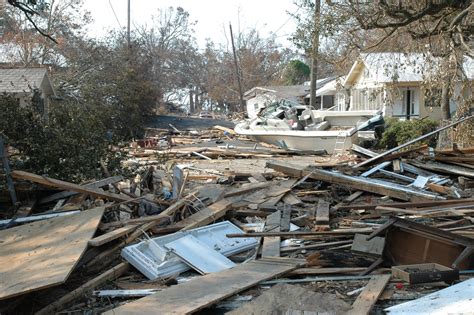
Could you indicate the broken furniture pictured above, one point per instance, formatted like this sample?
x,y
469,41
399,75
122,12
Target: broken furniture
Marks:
x,y
155,260
408,242
423,273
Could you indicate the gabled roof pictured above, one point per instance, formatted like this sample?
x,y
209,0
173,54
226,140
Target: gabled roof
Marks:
x,y
24,80
286,91
281,91
400,67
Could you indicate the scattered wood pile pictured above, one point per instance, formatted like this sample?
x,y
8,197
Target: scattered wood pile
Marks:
x,y
190,233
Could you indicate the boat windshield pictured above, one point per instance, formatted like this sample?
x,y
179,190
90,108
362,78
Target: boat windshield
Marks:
x,y
278,108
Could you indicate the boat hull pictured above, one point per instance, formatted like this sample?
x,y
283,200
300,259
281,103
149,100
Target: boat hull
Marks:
x,y
305,143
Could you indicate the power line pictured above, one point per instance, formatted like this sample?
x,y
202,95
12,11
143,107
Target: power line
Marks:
x,y
116,18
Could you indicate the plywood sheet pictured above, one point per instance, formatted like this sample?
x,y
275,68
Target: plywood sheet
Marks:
x,y
201,292
42,254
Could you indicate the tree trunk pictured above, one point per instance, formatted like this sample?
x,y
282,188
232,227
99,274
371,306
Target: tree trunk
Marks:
x,y
445,112
314,57
191,102
196,100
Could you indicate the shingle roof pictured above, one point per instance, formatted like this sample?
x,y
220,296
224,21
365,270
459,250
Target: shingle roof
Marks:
x,y
18,80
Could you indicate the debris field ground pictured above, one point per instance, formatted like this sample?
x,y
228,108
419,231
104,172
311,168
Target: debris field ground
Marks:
x,y
213,223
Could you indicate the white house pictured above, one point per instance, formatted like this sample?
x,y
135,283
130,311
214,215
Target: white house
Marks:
x,y
394,83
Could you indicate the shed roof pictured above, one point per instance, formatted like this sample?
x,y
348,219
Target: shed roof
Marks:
x,y
20,80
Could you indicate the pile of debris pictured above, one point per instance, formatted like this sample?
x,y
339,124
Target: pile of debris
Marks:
x,y
246,229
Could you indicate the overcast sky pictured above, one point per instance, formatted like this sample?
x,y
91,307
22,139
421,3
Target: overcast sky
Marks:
x,y
213,16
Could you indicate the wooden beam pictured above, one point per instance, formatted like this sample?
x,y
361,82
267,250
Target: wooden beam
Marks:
x,y
108,237
201,292
207,215
271,245
356,182
322,214
110,274
369,296
297,234
94,185
409,205
56,183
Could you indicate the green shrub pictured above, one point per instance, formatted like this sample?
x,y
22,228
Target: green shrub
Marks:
x,y
68,146
398,132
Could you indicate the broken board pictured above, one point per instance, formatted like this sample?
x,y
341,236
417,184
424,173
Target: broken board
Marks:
x,y
201,292
43,254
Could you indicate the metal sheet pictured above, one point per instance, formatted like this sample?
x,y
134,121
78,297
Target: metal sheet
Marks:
x,y
199,256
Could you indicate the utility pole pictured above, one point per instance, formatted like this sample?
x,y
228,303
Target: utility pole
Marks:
x,y
237,71
128,25
314,56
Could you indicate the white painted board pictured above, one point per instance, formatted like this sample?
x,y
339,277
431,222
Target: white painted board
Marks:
x,y
456,299
199,256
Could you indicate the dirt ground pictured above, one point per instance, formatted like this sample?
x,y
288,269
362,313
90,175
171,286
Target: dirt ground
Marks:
x,y
286,297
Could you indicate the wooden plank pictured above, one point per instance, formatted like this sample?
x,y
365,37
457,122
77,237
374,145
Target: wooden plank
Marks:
x,y
94,185
42,254
201,292
291,199
355,182
445,168
259,177
285,219
115,234
297,234
369,296
110,274
324,271
207,215
56,183
322,214
271,245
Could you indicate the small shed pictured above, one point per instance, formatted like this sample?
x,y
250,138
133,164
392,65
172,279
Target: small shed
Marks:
x,y
22,83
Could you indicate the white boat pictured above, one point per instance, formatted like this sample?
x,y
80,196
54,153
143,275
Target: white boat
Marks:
x,y
299,128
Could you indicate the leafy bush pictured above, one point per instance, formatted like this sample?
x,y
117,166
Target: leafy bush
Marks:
x,y
398,132
68,146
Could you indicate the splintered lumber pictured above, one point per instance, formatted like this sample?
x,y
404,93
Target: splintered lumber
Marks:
x,y
207,215
322,214
406,205
225,129
94,185
108,237
445,168
43,254
201,292
296,234
369,296
271,245
56,183
429,134
324,271
110,274
355,182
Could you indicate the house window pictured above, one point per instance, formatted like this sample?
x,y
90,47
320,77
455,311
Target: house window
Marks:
x,y
367,99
